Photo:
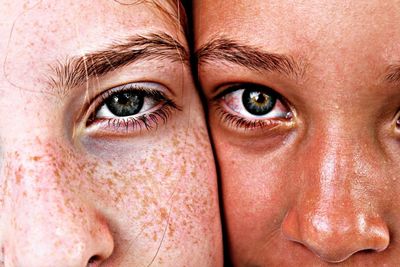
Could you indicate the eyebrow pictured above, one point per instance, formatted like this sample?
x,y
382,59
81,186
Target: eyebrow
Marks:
x,y
78,70
392,74
228,50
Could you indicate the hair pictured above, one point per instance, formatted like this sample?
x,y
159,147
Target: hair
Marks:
x,y
174,10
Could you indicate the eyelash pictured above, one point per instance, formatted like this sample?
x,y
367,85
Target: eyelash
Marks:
x,y
238,122
242,123
149,119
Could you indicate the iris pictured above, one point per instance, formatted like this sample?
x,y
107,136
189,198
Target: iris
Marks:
x,y
258,102
124,104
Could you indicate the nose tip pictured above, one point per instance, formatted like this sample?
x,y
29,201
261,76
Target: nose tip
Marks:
x,y
58,238
60,247
336,238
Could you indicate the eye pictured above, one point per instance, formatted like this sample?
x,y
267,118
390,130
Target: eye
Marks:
x,y
130,107
125,104
252,105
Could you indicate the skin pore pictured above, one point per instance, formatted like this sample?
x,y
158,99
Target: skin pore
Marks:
x,y
105,158
304,113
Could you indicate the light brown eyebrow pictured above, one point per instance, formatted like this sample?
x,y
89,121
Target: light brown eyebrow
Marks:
x,y
228,50
76,71
392,74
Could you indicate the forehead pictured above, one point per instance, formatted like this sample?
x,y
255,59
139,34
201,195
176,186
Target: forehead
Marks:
x,y
35,34
282,26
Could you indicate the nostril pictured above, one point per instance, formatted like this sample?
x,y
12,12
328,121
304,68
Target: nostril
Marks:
x,y
94,261
368,251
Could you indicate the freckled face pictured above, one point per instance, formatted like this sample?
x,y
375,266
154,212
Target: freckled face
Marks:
x,y
304,111
113,168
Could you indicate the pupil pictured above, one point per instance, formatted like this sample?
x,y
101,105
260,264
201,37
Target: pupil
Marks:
x,y
258,102
125,103
259,98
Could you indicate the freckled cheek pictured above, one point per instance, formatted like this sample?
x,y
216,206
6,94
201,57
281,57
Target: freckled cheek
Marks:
x,y
147,189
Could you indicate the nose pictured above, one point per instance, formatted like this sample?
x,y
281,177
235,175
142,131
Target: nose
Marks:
x,y
335,236
49,220
336,213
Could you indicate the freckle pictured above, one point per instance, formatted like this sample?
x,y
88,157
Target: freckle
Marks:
x,y
57,174
154,236
168,173
36,158
110,183
163,213
175,142
171,229
18,175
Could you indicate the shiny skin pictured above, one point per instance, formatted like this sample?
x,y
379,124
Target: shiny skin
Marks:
x,y
321,189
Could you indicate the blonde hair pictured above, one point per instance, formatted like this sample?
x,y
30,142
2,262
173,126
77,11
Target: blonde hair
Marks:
x,y
171,9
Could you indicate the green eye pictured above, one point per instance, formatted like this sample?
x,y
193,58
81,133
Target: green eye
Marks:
x,y
257,102
123,104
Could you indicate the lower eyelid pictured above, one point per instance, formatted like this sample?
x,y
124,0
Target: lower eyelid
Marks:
x,y
238,122
127,126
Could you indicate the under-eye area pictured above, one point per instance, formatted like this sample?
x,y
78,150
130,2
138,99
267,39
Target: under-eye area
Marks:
x,y
130,108
251,106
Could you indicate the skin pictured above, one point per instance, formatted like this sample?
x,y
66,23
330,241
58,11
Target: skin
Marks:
x,y
78,195
320,187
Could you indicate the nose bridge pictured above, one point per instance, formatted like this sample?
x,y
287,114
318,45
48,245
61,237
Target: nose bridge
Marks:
x,y
49,223
340,155
334,216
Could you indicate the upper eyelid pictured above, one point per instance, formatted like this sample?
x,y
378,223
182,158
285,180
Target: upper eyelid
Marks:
x,y
139,86
229,88
132,86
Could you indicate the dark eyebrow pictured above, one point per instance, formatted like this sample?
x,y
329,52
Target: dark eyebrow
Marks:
x,y
78,70
225,49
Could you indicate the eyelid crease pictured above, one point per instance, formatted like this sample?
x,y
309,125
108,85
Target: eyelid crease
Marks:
x,y
226,88
131,87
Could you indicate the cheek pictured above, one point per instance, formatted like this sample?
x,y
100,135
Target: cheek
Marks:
x,y
148,197
165,193
255,192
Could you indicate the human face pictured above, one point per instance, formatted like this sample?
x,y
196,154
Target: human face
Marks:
x,y
303,107
105,159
